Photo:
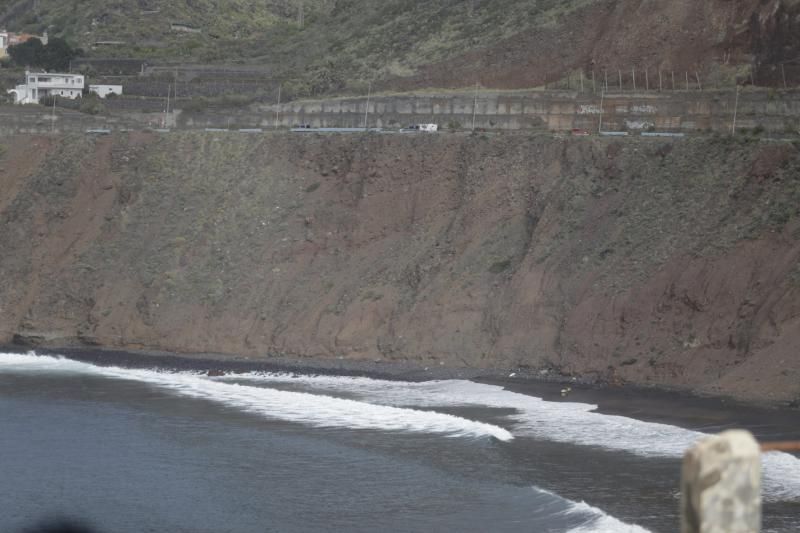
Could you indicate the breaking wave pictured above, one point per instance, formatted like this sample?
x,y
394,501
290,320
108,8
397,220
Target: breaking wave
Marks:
x,y
304,408
599,522
567,422
365,403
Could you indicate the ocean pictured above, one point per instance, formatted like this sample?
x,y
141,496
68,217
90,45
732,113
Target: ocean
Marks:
x,y
124,450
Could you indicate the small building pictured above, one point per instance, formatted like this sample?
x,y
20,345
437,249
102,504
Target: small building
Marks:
x,y
104,90
18,38
3,43
42,85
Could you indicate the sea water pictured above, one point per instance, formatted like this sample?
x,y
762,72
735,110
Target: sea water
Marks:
x,y
122,449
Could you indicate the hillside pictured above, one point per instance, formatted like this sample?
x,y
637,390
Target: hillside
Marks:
x,y
401,44
646,262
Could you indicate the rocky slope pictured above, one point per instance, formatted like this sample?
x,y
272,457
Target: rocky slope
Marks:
x,y
652,262
410,44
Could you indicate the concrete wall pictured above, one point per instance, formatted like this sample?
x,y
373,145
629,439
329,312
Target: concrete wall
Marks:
x,y
37,119
775,111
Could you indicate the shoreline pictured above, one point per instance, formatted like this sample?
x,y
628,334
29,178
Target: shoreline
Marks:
x,y
768,421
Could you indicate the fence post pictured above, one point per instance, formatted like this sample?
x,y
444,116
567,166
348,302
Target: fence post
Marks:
x,y
721,485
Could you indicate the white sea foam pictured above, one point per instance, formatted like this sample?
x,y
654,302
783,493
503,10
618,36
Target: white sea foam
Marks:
x,y
376,401
600,522
326,411
568,422
310,409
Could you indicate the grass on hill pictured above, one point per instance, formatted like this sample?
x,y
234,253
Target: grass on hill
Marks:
x,y
341,43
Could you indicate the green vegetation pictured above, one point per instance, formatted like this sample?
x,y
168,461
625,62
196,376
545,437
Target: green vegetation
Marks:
x,y
340,45
55,55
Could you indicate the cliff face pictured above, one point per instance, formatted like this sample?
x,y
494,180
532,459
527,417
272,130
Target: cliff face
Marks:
x,y
653,262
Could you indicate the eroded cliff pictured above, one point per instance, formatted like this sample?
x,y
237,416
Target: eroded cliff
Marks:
x,y
645,261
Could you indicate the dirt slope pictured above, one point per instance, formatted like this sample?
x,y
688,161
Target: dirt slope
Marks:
x,y
653,262
719,39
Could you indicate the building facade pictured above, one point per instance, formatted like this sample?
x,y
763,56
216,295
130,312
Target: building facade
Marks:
x,y
19,38
39,86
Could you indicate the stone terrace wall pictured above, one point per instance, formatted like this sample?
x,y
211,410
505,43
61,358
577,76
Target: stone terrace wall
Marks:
x,y
37,119
775,111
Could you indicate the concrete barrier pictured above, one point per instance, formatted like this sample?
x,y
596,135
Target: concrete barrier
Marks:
x,y
772,111
721,485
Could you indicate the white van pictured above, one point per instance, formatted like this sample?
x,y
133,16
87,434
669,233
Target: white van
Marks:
x,y
430,128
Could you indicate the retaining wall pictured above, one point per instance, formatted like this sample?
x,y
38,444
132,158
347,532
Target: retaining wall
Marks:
x,y
775,111
37,119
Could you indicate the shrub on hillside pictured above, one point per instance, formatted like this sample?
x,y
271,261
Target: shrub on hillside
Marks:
x,y
92,105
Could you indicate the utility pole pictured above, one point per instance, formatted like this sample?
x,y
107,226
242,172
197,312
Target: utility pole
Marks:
x,y
278,107
53,117
166,110
735,111
600,127
783,71
366,111
633,75
300,13
474,106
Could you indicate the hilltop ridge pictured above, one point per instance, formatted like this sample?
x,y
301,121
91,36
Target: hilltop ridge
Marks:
x,y
502,44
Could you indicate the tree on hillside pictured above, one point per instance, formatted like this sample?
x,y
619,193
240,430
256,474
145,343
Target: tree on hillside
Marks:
x,y
26,54
55,55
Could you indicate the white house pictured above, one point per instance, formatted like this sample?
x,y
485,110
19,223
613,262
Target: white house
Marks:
x,y
3,43
41,85
104,90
